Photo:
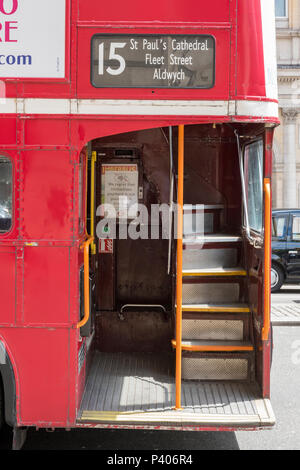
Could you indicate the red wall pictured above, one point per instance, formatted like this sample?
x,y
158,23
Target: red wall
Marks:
x,y
235,25
39,284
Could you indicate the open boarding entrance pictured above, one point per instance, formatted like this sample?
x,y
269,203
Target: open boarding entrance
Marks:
x,y
179,323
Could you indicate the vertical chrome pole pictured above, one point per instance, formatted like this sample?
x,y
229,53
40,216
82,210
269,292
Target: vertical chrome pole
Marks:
x,y
171,198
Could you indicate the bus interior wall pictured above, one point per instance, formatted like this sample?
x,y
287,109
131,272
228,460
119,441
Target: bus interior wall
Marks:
x,y
135,272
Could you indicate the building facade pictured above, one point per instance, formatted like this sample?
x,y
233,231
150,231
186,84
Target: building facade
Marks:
x,y
286,166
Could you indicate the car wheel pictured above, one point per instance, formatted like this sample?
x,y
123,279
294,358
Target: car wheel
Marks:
x,y
277,278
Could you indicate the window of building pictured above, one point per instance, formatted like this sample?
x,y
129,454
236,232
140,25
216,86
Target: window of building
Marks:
x,y
253,172
5,194
281,8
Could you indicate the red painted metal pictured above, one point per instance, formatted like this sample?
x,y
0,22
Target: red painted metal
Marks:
x,y
236,26
40,284
250,59
267,345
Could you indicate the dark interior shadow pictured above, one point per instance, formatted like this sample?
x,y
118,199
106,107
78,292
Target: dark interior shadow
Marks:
x,y
5,439
95,439
287,290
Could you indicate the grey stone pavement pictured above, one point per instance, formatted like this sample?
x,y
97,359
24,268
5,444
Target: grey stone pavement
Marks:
x,y
286,306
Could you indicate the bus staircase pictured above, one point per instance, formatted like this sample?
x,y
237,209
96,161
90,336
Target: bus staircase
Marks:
x,y
213,320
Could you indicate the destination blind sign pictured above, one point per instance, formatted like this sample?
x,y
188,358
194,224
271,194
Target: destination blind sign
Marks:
x,y
150,61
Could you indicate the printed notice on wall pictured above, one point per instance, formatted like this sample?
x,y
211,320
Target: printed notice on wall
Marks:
x,y
106,245
32,38
119,188
150,61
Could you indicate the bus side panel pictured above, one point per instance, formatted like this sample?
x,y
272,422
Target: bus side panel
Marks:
x,y
8,285
47,195
268,345
8,130
44,377
250,54
167,11
46,285
52,131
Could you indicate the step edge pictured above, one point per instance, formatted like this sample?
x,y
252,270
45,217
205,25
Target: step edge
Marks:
x,y
213,347
200,207
214,308
207,239
212,273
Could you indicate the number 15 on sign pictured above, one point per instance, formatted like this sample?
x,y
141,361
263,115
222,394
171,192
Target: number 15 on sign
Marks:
x,y
112,56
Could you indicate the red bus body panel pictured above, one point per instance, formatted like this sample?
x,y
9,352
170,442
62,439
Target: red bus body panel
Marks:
x,y
40,256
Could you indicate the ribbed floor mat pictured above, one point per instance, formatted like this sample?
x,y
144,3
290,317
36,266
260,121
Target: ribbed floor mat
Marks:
x,y
131,388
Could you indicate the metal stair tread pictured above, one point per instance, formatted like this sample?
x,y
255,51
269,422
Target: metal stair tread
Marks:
x,y
237,271
200,207
231,307
214,345
211,238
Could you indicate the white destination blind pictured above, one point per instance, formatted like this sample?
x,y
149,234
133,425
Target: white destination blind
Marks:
x,y
32,38
127,61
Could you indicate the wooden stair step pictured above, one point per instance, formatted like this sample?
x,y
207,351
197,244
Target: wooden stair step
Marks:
x,y
214,346
214,272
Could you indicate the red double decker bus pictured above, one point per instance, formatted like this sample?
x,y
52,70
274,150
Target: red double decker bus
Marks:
x,y
135,208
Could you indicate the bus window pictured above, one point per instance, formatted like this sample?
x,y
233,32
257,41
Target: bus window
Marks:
x,y
5,194
253,168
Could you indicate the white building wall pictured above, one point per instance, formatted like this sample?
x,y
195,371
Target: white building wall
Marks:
x,y
286,165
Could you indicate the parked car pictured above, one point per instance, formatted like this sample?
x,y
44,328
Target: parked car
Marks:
x,y
285,247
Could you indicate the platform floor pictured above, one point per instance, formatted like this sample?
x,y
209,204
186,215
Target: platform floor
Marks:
x,y
140,388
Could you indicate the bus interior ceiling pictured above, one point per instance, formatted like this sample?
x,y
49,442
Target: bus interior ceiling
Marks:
x,y
134,292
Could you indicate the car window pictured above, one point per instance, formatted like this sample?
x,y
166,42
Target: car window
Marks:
x,y
278,227
296,228
5,194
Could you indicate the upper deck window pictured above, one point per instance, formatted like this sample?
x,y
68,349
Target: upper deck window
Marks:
x,y
5,194
281,8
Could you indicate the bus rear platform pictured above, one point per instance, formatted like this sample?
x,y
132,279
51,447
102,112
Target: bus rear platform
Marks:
x,y
138,389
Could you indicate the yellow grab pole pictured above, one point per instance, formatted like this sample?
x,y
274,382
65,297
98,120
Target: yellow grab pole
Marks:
x,y
86,248
179,265
267,261
92,208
